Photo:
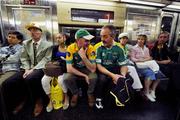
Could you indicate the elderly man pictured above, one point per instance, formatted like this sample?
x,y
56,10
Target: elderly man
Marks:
x,y
80,60
110,61
36,53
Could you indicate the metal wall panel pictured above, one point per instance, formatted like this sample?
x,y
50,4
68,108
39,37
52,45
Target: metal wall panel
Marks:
x,y
142,21
13,14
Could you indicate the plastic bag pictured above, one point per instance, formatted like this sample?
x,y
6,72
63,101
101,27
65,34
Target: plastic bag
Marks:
x,y
56,94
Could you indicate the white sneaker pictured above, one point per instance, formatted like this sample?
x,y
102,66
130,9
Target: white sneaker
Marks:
x,y
99,103
152,93
66,104
150,97
49,107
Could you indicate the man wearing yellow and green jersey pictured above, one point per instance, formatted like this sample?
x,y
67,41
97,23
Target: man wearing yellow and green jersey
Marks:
x,y
110,60
74,58
80,62
99,44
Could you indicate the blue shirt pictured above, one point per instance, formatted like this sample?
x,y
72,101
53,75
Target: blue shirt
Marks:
x,y
10,57
61,54
60,57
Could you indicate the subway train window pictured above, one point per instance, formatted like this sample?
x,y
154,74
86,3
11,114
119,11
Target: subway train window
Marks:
x,y
140,24
166,23
93,30
72,30
98,16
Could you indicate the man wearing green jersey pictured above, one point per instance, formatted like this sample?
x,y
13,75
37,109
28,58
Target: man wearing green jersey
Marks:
x,y
111,62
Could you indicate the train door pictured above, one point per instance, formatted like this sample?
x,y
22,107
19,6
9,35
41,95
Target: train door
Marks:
x,y
16,17
177,39
170,22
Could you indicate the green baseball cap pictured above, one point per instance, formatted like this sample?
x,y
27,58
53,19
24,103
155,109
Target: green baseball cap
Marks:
x,y
82,33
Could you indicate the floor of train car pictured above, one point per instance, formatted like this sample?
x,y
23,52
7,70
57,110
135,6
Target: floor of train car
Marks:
x,y
162,109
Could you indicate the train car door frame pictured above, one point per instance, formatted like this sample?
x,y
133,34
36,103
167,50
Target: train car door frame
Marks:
x,y
172,32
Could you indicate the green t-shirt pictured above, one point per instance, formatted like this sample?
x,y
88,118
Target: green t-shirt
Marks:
x,y
110,57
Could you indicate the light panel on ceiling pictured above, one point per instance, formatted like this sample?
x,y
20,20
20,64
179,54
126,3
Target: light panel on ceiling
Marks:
x,y
141,7
144,3
97,2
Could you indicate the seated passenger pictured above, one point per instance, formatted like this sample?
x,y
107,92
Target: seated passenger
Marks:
x,y
10,65
123,39
59,55
10,55
80,61
110,62
36,52
140,54
160,53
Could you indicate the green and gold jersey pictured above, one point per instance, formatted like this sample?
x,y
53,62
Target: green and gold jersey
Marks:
x,y
72,56
99,44
125,50
110,57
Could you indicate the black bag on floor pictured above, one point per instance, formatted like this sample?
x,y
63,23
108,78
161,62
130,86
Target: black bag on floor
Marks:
x,y
122,91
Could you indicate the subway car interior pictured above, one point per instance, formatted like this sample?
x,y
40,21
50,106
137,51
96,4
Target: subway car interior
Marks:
x,y
134,17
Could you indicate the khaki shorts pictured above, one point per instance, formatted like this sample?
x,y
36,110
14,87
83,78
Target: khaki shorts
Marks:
x,y
6,75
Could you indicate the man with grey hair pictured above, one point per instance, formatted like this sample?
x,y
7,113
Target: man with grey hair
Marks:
x,y
110,61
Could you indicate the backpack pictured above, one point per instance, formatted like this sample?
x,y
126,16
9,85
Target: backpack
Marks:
x,y
122,91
